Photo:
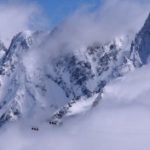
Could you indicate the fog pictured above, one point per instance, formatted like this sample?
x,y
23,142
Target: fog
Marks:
x,y
18,16
113,18
121,121
89,24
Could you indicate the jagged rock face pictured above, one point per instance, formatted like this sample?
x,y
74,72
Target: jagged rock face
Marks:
x,y
26,93
140,50
84,73
3,51
66,78
34,89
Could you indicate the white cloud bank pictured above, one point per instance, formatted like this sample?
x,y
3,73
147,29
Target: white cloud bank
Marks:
x,y
112,18
87,24
121,121
16,17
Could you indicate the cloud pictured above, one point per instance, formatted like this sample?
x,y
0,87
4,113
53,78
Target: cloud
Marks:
x,y
16,17
102,23
121,121
85,26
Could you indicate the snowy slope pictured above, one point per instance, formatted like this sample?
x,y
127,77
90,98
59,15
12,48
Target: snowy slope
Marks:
x,y
43,79
35,88
25,92
122,120
140,49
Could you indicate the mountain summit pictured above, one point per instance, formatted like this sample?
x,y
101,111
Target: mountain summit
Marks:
x,y
140,46
43,89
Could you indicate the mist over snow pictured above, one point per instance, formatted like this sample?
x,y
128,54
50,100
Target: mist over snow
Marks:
x,y
90,24
121,120
113,18
18,16
86,25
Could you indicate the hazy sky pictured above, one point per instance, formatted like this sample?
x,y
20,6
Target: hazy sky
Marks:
x,y
100,16
58,9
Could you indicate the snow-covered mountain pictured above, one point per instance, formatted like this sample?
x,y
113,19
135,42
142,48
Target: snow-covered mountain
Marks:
x,y
140,49
40,88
